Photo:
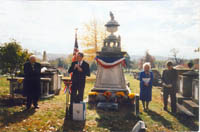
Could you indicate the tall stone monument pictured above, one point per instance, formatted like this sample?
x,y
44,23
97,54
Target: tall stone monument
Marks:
x,y
44,62
110,75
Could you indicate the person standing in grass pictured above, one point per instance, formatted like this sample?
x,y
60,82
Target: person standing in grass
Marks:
x,y
146,79
80,70
169,79
32,73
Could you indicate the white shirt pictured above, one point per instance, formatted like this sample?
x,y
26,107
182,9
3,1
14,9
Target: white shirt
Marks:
x,y
80,63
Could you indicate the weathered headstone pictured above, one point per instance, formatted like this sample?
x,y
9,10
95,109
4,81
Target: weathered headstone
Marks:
x,y
44,62
52,73
188,98
195,90
186,83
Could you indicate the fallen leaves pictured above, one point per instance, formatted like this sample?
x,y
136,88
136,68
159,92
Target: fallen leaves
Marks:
x,y
50,117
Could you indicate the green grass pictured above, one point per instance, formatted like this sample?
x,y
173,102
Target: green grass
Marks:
x,y
4,90
51,115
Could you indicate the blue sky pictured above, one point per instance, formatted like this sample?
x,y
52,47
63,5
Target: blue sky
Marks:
x,y
157,26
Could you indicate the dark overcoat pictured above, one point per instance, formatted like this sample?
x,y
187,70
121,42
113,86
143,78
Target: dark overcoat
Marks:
x,y
78,78
31,82
170,77
79,75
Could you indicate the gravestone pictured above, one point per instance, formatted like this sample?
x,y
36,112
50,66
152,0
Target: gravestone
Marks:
x,y
16,86
53,74
156,77
186,83
180,72
188,98
44,62
195,90
50,81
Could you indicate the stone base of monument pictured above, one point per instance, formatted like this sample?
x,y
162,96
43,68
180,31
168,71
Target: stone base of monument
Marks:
x,y
110,96
101,90
114,100
107,106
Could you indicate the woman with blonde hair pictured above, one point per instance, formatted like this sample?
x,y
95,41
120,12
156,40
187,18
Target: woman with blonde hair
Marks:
x,y
146,79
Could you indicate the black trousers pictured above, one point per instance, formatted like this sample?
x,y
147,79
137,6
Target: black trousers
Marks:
x,y
169,92
77,93
32,99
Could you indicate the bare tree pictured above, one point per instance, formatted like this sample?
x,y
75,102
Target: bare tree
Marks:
x,y
175,52
147,58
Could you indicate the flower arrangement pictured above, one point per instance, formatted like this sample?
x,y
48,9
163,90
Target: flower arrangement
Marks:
x,y
131,95
120,94
93,97
107,94
20,80
93,93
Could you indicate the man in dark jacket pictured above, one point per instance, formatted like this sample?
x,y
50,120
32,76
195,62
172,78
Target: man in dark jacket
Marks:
x,y
32,71
79,69
169,79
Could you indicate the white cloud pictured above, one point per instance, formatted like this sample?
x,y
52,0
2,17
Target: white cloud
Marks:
x,y
155,25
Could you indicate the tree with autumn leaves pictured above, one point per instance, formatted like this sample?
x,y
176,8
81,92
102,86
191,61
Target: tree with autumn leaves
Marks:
x,y
92,39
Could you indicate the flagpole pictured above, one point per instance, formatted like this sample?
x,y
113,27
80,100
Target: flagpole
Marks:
x,y
76,43
76,29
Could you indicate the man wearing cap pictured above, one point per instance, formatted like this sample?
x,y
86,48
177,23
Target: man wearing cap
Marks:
x,y
32,71
169,79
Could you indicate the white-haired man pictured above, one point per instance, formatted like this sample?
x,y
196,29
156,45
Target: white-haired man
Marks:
x,y
32,71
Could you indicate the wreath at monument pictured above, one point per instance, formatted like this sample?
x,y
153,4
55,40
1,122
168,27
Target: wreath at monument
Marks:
x,y
107,96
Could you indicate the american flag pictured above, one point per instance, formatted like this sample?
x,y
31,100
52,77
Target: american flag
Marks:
x,y
75,45
68,87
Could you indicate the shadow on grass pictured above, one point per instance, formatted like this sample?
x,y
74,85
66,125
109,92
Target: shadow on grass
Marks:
x,y
158,118
70,125
8,118
47,99
8,101
121,120
187,121
92,106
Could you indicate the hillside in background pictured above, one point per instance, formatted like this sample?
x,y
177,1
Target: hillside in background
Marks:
x,y
50,56
53,56
137,57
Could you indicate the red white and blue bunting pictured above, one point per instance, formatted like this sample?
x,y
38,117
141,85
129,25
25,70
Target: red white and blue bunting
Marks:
x,y
110,62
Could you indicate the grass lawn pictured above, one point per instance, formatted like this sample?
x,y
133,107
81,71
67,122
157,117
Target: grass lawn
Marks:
x,y
51,115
